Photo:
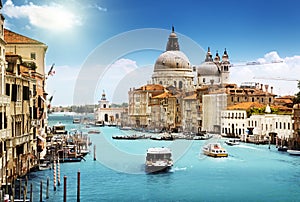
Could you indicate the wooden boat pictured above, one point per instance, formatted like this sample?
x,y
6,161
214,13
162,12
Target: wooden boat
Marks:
x,y
158,160
282,148
214,150
293,152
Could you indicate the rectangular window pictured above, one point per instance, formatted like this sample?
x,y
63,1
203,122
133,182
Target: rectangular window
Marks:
x,y
32,56
14,92
7,90
25,93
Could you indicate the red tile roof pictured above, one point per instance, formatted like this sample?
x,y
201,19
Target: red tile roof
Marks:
x,y
11,37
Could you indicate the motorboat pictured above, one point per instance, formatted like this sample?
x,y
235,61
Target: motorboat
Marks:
x,y
232,142
59,128
293,152
202,137
214,150
158,159
76,120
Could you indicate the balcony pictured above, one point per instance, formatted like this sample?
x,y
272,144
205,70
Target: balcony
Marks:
x,y
18,140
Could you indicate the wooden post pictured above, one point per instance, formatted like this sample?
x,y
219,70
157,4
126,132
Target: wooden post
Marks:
x,y
65,188
20,188
78,186
12,197
94,152
54,175
31,193
58,172
1,195
47,188
41,191
24,193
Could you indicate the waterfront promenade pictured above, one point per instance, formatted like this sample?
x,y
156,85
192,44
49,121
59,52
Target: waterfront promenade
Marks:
x,y
250,173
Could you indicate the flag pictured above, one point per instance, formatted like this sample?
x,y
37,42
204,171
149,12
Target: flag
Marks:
x,y
51,72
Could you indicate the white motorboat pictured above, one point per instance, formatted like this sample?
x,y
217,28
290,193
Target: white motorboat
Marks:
x,y
158,160
232,142
214,150
293,152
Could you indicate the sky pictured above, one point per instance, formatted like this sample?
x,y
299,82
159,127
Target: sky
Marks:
x,y
112,45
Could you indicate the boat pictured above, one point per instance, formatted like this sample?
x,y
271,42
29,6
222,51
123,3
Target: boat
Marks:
x,y
45,166
202,137
125,128
158,159
99,123
293,152
232,142
94,132
59,128
282,148
214,150
76,120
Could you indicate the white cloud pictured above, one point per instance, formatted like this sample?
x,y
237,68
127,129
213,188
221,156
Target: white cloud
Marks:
x,y
281,73
51,17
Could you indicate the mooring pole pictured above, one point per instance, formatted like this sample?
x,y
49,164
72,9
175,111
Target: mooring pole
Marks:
x,y
94,152
47,188
65,188
78,186
41,191
54,175
31,194
58,172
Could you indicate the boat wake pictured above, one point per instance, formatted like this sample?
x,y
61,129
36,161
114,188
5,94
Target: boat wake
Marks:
x,y
247,147
178,169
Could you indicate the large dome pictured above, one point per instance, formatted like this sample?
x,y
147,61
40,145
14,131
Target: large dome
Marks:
x,y
208,69
175,60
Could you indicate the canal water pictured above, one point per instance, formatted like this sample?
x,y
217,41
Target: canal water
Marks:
x,y
250,173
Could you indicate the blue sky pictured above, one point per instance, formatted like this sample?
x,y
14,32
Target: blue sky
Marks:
x,y
251,30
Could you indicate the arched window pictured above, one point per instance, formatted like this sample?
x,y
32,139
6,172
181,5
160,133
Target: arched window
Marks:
x,y
106,117
117,116
160,82
104,105
180,84
175,83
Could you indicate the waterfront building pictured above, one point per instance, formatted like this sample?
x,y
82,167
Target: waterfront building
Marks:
x,y
253,121
4,105
190,113
21,144
249,92
212,105
173,68
106,114
294,142
169,110
139,108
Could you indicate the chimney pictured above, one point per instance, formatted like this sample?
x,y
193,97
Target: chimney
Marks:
x,y
261,86
266,87
272,89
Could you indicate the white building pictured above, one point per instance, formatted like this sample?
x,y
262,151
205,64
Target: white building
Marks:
x,y
107,115
213,104
233,123
265,125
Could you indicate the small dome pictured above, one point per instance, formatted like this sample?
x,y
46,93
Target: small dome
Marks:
x,y
208,69
176,60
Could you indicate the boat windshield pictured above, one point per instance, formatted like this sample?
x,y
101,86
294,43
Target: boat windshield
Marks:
x,y
158,156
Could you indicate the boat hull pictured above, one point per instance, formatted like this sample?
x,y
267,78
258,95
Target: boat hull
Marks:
x,y
157,169
215,155
294,152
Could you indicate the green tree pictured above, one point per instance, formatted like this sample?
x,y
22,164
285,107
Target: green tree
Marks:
x,y
297,98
